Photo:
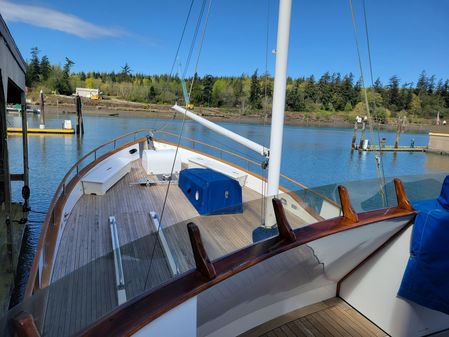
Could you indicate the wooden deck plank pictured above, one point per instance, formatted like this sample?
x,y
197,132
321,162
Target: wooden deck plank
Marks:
x,y
330,318
84,277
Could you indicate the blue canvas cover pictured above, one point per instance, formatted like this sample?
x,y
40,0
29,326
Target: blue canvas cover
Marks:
x,y
426,277
211,192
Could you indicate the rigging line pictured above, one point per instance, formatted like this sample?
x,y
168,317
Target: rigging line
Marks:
x,y
164,89
370,121
200,47
165,198
372,86
182,37
368,44
192,45
176,151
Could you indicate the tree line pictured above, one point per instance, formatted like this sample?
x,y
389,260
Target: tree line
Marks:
x,y
330,93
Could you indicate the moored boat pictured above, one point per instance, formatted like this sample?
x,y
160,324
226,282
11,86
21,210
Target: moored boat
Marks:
x,y
152,234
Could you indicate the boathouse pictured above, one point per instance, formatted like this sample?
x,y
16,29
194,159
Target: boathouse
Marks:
x,y
12,214
439,139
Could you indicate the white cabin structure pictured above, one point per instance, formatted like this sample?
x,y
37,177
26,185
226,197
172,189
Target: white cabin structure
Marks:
x,y
87,92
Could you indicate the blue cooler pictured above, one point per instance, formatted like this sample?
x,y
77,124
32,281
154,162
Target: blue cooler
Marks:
x,y
211,192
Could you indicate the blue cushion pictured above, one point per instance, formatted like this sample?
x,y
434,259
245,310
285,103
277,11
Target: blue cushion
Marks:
x,y
426,277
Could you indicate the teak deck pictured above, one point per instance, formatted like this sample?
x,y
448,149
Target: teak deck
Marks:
x,y
83,279
330,318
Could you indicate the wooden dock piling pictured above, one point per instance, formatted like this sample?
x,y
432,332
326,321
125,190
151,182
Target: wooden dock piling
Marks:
x,y
398,133
354,135
42,108
79,114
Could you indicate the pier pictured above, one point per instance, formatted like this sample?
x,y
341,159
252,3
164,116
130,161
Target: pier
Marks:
x,y
13,217
43,131
389,148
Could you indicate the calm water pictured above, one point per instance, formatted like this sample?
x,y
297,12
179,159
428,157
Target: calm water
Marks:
x,y
312,156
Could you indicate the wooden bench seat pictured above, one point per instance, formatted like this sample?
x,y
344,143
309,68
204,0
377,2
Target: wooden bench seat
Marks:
x,y
105,175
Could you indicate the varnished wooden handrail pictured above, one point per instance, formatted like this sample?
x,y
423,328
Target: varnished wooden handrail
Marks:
x,y
401,196
349,214
202,261
143,309
24,325
285,230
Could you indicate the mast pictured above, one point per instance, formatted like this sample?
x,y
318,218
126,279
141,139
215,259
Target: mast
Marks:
x,y
277,119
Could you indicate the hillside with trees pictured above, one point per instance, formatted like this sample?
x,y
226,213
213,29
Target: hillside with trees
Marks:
x,y
330,94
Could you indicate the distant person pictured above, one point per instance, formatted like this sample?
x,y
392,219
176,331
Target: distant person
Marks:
x,y
444,122
412,143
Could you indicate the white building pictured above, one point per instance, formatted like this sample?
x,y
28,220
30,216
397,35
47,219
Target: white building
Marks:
x,y
88,93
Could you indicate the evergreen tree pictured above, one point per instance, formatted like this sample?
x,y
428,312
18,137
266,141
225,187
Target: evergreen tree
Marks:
x,y
394,100
125,74
422,84
208,85
34,67
324,88
151,94
45,67
310,89
63,84
255,92
378,87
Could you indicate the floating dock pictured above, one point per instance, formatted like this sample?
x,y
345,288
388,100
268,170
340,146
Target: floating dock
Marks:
x,y
43,131
397,149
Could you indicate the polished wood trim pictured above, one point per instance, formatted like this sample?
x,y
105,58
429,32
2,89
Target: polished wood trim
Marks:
x,y
401,196
202,261
386,243
24,325
349,214
143,309
285,230
49,233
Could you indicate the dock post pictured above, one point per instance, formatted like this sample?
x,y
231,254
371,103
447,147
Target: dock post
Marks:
x,y
398,133
354,136
42,108
363,134
79,114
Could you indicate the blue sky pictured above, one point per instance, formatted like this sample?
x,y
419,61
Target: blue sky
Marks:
x,y
406,36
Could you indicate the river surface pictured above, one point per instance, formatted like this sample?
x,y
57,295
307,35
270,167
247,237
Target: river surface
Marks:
x,y
312,156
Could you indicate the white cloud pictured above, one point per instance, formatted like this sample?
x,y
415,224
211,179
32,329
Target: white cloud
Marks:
x,y
52,19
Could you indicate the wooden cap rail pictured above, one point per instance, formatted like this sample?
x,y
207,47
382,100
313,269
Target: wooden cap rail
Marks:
x,y
24,325
285,230
143,309
349,214
203,264
403,202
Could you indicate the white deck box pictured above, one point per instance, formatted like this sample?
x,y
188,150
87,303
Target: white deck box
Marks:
x,y
105,175
160,161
